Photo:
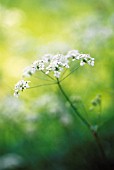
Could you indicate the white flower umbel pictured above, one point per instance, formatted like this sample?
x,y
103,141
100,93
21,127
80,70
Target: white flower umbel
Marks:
x,y
20,86
57,63
85,58
54,64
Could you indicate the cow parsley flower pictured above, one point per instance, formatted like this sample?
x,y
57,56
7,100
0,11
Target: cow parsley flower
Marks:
x,y
57,63
85,58
74,54
38,65
53,64
47,58
20,86
29,71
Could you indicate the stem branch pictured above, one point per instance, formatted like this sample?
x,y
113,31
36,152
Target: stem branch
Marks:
x,y
93,132
98,141
73,107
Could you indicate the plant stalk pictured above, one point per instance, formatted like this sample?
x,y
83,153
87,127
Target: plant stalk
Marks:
x,y
73,107
93,132
99,144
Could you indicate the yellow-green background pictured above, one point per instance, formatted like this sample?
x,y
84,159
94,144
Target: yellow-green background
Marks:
x,y
37,127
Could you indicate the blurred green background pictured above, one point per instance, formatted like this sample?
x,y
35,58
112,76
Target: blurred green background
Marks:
x,y
37,130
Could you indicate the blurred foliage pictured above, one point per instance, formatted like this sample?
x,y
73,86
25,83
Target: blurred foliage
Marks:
x,y
37,131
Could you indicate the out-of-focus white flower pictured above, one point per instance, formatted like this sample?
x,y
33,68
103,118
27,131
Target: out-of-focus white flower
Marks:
x,y
57,74
10,161
47,58
20,86
66,120
28,71
74,54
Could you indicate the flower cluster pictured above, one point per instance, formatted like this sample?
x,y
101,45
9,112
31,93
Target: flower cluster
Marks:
x,y
84,58
52,64
97,100
20,86
56,63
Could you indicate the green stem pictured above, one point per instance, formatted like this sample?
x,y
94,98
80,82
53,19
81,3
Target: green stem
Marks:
x,y
98,141
48,75
73,107
93,132
69,74
41,85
